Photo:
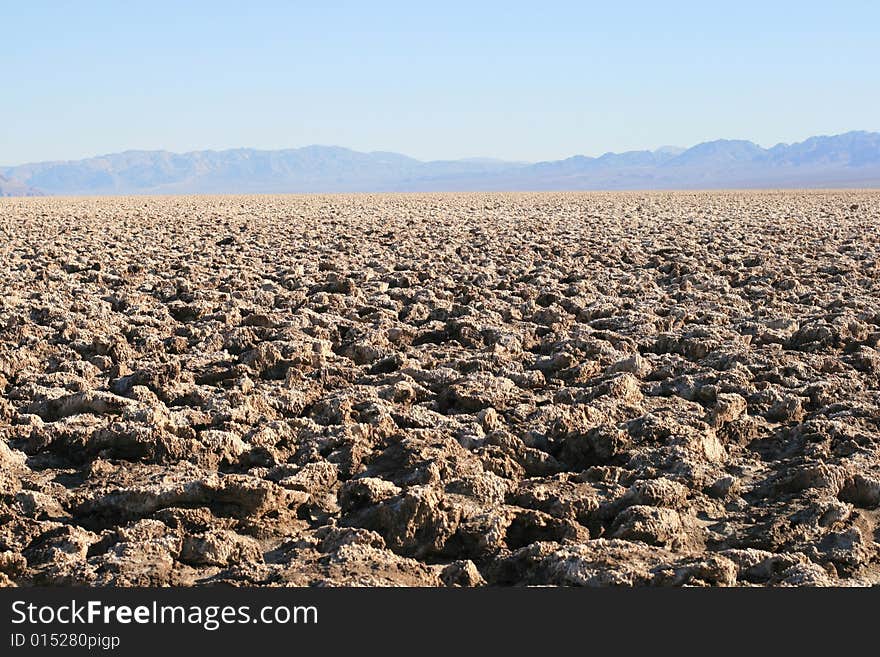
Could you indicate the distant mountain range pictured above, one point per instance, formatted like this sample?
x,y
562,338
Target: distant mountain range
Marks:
x,y
847,160
11,188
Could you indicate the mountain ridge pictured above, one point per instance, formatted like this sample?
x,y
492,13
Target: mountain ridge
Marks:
x,y
848,159
12,188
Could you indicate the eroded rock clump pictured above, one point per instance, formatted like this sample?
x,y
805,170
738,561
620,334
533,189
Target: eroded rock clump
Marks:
x,y
450,390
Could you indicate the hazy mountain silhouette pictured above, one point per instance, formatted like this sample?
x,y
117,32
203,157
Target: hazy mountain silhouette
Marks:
x,y
12,188
851,159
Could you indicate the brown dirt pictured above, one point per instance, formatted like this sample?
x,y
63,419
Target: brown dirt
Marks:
x,y
568,389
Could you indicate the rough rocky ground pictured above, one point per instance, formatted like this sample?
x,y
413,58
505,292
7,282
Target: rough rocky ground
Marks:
x,y
563,389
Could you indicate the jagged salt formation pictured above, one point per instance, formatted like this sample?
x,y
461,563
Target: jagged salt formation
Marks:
x,y
604,389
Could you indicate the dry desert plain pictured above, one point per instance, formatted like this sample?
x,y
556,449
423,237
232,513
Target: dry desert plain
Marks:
x,y
504,389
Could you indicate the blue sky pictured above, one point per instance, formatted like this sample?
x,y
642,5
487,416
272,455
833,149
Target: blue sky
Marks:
x,y
515,80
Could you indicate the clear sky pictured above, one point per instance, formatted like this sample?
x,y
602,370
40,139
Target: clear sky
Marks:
x,y
515,80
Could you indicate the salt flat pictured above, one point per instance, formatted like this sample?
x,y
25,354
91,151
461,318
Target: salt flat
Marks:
x,y
568,389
